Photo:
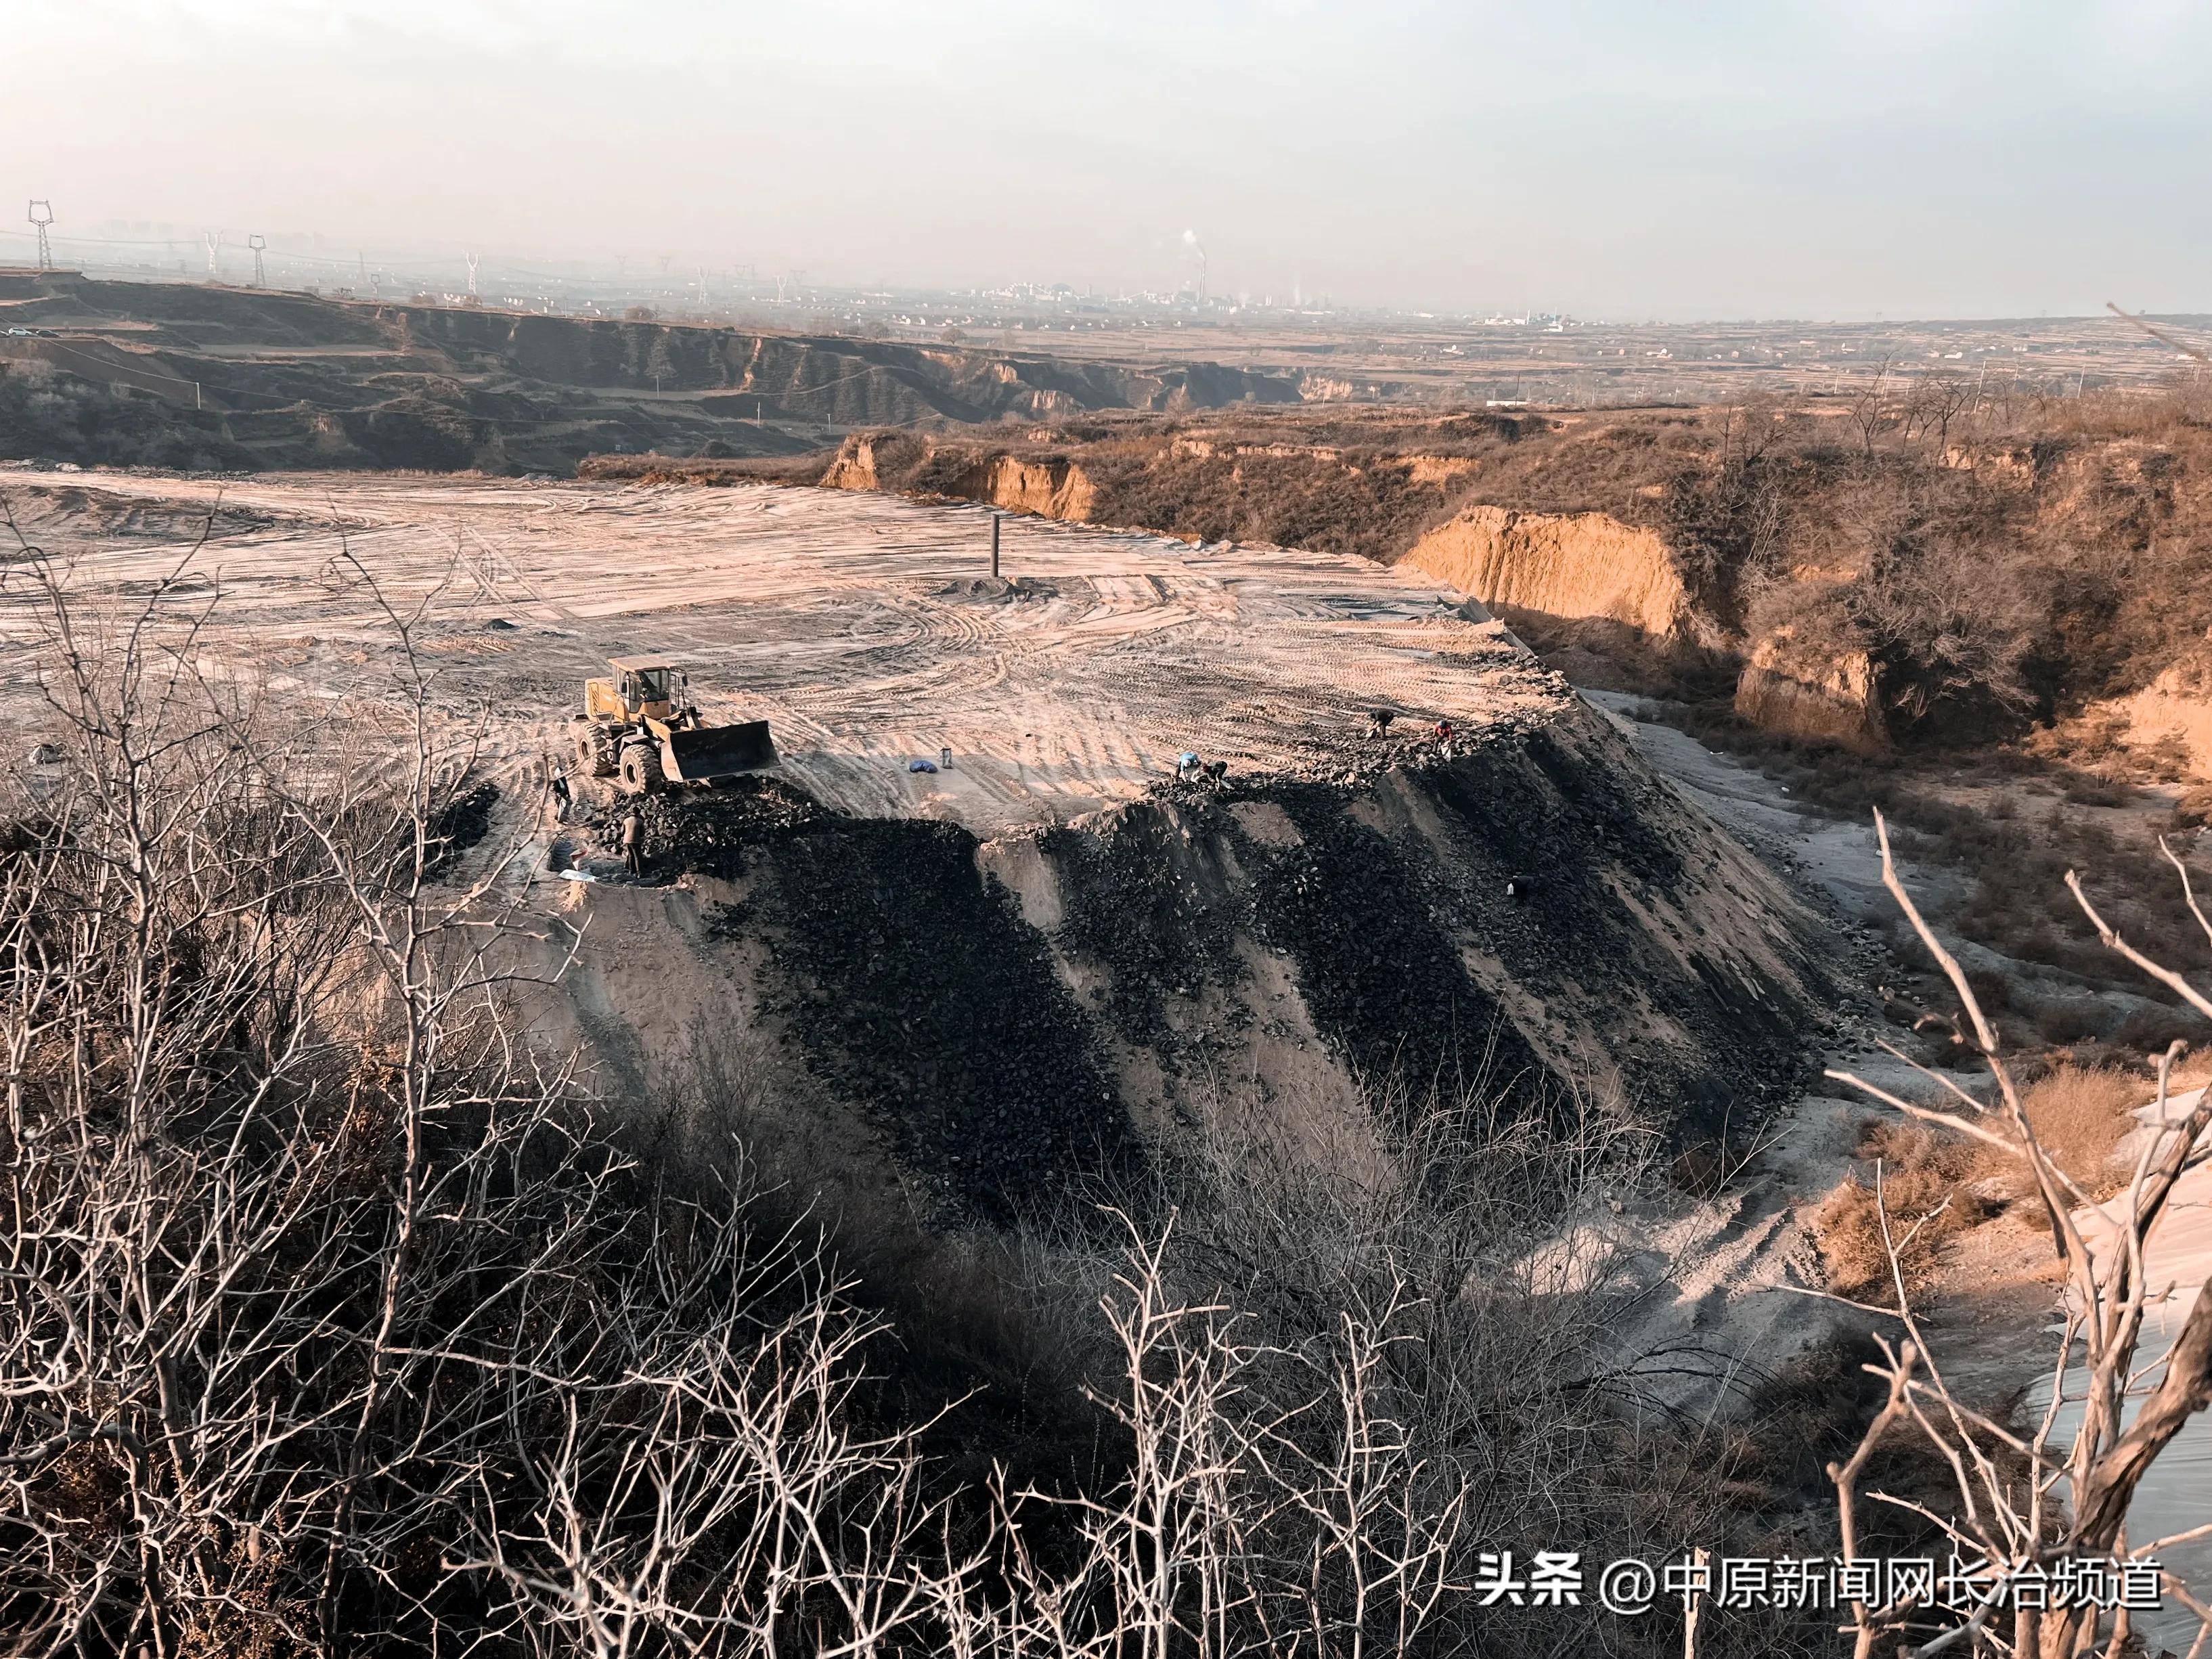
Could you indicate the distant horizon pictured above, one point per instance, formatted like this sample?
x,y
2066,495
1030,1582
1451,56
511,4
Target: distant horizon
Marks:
x,y
396,264
1931,159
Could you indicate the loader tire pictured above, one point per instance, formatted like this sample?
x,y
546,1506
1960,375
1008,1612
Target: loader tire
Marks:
x,y
595,753
641,769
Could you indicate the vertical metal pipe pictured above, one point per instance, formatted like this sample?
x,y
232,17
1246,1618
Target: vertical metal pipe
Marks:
x,y
994,547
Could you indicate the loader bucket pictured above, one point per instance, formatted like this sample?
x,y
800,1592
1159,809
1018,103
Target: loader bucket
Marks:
x,y
717,751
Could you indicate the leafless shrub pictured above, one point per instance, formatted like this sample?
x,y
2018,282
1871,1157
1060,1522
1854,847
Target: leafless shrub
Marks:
x,y
2025,1502
1952,627
1933,402
1872,400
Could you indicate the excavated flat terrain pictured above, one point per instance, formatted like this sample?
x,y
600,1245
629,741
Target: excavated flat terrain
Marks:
x,y
865,628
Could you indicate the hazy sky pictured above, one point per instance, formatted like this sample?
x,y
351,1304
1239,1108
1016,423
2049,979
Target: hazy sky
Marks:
x,y
1911,157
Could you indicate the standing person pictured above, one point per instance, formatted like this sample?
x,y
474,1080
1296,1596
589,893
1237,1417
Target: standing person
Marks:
x,y
633,843
559,786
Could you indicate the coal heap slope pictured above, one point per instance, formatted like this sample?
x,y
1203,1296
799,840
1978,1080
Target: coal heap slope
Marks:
x,y
1534,915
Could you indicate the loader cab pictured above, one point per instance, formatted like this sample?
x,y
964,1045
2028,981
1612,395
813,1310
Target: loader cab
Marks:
x,y
648,689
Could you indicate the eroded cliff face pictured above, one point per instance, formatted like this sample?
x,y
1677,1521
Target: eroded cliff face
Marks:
x,y
1053,489
2174,712
831,378
1007,1021
1562,564
854,467
1829,695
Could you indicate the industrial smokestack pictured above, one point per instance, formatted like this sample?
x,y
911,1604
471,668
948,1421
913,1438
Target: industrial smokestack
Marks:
x,y
1190,241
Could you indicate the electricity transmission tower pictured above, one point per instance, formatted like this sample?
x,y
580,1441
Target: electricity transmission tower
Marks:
x,y
41,215
214,241
257,242
473,259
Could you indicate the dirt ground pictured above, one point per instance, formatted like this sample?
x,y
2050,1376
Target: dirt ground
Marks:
x,y
866,629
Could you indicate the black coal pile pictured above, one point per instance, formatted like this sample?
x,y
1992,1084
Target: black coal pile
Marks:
x,y
1351,759
1563,861
1535,848
916,987
1464,916
1381,973
464,820
1146,899
710,830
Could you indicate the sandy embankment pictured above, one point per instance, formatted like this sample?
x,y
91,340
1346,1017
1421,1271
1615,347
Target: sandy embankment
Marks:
x,y
1566,565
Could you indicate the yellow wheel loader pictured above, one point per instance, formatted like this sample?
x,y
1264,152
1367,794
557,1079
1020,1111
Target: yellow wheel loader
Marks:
x,y
639,726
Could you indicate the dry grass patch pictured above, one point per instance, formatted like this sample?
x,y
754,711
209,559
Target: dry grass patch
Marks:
x,y
2079,1113
1936,1186
1926,1185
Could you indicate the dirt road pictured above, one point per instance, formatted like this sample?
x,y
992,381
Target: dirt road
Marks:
x,y
865,626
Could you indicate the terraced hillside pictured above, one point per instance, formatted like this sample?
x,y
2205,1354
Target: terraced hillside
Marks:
x,y
203,377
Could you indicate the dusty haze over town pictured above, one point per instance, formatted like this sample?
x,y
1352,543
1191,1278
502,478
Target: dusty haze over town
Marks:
x,y
1626,160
